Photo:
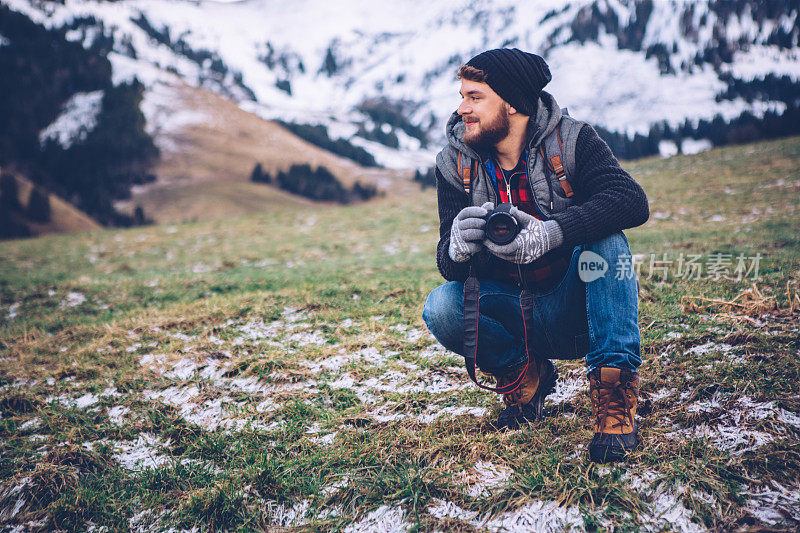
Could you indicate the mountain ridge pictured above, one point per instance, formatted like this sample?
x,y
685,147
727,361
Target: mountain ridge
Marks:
x,y
624,66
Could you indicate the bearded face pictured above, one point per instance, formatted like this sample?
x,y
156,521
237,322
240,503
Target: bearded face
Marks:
x,y
482,133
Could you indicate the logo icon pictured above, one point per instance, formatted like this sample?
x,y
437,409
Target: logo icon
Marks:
x,y
591,266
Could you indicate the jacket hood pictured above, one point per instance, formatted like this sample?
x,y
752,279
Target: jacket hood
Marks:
x,y
547,117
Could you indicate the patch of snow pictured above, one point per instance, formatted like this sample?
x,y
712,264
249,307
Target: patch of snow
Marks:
x,y
442,509
325,440
692,146
668,511
411,335
432,413
734,439
164,110
384,519
661,394
434,350
117,414
201,268
391,249
175,396
142,454
210,414
73,299
30,425
304,338
533,516
641,483
709,347
538,516
86,400
759,60
772,504
283,516
292,315
567,388
11,512
667,148
153,361
77,119
82,402
183,369
12,310
484,477
331,363
731,431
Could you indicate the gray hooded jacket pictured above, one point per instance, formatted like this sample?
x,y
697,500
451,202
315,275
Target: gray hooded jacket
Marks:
x,y
547,192
606,198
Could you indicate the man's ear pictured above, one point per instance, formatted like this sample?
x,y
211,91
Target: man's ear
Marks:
x,y
511,110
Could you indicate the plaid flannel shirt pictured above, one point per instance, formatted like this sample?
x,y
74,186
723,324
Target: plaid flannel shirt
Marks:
x,y
550,267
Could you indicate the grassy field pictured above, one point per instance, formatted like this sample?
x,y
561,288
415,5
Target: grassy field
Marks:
x,y
274,371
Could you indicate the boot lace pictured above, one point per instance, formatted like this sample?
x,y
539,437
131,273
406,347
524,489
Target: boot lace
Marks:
x,y
614,401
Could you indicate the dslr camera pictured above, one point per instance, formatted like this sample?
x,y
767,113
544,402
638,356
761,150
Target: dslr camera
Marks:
x,y
501,227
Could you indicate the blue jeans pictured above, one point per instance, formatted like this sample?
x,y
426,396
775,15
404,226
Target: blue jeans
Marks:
x,y
596,318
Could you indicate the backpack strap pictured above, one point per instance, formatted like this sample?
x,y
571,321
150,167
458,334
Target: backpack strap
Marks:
x,y
466,173
556,164
471,311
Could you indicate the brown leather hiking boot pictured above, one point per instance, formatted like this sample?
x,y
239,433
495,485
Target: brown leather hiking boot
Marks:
x,y
614,394
524,405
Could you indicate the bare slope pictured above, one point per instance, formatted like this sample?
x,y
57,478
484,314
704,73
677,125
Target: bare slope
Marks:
x,y
65,217
206,164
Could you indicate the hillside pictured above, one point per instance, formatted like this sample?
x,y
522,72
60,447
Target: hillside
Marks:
x,y
273,371
65,218
209,147
373,72
378,80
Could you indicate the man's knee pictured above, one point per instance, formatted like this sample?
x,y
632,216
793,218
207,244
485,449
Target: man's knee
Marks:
x,y
442,308
611,247
442,301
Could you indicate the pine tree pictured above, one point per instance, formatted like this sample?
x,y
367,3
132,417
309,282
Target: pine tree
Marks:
x,y
9,192
39,206
11,228
329,65
259,176
139,217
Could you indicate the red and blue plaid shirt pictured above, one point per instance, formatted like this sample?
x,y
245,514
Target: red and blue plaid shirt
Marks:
x,y
554,264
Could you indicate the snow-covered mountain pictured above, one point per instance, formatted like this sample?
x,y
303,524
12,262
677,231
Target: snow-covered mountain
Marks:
x,y
382,73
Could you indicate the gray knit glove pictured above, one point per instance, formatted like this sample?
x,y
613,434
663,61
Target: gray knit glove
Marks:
x,y
466,234
535,239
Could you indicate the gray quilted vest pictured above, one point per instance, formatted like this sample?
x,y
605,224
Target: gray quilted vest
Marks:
x,y
551,132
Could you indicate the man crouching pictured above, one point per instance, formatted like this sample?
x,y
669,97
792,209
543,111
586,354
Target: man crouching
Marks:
x,y
509,143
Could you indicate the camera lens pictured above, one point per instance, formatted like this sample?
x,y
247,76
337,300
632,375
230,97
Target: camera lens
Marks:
x,y
501,227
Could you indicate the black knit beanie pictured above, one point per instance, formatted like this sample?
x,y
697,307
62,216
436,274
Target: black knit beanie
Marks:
x,y
517,76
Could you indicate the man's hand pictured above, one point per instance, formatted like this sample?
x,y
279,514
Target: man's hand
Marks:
x,y
466,234
535,239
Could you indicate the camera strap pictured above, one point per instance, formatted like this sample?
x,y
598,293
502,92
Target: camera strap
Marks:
x,y
471,315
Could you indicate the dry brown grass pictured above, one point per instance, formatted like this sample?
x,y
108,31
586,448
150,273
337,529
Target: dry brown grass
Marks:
x,y
65,218
206,175
749,303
